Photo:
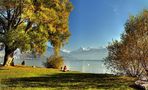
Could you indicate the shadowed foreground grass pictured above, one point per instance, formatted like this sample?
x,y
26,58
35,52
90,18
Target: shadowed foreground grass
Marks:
x,y
28,78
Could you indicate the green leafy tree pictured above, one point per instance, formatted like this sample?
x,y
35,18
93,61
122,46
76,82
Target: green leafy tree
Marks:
x,y
61,32
20,28
26,24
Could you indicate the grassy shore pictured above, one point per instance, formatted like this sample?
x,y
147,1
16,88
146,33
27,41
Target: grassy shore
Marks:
x,y
28,78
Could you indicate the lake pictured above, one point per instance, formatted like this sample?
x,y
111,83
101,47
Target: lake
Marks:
x,y
86,66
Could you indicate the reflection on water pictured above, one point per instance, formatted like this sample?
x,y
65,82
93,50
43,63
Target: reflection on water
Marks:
x,y
87,66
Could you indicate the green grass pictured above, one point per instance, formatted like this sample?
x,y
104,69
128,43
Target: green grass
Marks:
x,y
28,78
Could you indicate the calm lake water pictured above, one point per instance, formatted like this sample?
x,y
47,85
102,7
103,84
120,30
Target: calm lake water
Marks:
x,y
87,66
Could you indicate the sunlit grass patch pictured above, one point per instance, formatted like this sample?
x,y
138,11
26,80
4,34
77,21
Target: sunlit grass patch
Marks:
x,y
30,78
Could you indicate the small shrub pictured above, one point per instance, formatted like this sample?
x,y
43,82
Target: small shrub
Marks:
x,y
54,62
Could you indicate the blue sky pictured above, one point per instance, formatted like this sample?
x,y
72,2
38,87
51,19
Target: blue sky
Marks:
x,y
94,23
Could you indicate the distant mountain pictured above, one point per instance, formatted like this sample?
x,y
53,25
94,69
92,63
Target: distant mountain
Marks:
x,y
89,54
79,54
50,52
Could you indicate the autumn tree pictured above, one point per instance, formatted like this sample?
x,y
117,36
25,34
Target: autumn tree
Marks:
x,y
61,33
20,28
26,24
130,54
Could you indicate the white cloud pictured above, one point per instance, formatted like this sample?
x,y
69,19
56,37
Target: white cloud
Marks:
x,y
65,50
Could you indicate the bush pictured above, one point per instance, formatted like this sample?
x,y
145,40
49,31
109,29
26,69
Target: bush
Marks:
x,y
54,62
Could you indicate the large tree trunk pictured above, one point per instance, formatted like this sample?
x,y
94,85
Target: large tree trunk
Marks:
x,y
8,58
57,51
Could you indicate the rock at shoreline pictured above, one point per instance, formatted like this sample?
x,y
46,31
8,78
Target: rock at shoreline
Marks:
x,y
142,84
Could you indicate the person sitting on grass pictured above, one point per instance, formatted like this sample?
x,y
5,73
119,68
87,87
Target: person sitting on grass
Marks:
x,y
23,63
64,69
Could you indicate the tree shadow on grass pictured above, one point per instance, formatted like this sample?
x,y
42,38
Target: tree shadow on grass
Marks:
x,y
71,81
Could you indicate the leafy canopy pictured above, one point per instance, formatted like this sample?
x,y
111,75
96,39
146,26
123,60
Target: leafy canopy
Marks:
x,y
29,24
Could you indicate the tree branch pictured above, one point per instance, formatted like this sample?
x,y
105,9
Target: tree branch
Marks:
x,y
4,16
